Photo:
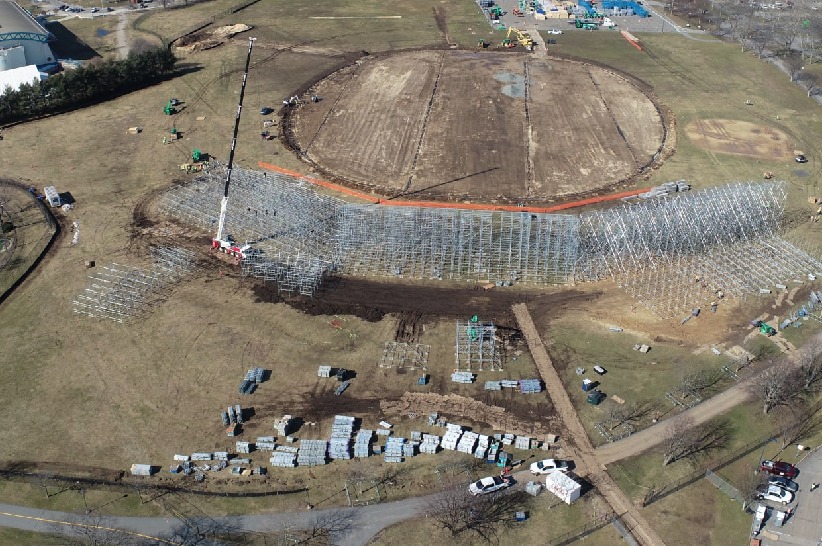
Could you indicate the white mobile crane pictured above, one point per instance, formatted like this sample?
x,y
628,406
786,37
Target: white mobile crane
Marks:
x,y
222,241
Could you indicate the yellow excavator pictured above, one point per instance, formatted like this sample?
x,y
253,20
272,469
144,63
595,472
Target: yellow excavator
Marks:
x,y
523,38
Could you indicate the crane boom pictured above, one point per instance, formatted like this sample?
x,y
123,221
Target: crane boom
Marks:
x,y
218,241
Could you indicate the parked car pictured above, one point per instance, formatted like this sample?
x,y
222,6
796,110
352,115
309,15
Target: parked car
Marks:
x,y
487,485
265,111
784,483
550,465
554,31
801,159
95,10
774,493
779,468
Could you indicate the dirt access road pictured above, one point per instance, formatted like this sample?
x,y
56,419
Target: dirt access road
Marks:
x,y
577,437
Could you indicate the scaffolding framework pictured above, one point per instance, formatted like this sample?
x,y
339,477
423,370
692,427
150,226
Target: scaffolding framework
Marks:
x,y
299,235
674,254
403,355
476,347
120,293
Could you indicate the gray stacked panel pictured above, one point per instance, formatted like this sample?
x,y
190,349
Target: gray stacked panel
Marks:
x,y
493,385
283,459
462,377
432,418
244,447
393,449
429,444
530,386
467,442
238,412
383,432
239,460
266,443
507,439
452,435
201,456
324,371
482,447
408,449
232,416
220,455
312,452
224,418
362,443
339,446
522,442
508,383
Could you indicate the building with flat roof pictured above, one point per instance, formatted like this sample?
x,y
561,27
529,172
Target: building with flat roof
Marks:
x,y
23,41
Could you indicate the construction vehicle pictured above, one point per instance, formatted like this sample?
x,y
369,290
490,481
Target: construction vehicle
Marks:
x,y
523,38
518,13
169,110
496,12
767,330
586,24
482,43
222,241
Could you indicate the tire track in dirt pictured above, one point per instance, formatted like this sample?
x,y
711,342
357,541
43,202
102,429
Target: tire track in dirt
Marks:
x,y
529,136
413,167
613,117
342,93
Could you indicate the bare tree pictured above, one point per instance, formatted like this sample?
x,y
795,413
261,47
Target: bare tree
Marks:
x,y
809,362
786,29
460,513
324,528
760,38
794,65
629,412
810,82
686,440
750,485
777,386
93,530
693,383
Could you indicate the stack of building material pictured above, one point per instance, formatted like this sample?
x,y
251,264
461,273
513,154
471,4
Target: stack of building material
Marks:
x,y
409,449
507,439
493,385
284,426
221,455
432,418
201,457
393,449
530,386
453,432
283,459
482,447
383,432
182,458
416,436
339,446
508,383
429,444
467,442
244,447
523,442
462,377
362,443
312,452
266,443
238,413
324,371
224,418
533,488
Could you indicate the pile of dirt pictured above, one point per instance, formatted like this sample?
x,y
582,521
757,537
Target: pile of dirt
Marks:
x,y
209,39
454,406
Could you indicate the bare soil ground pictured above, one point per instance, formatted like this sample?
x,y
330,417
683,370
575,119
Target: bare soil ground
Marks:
x,y
478,125
741,139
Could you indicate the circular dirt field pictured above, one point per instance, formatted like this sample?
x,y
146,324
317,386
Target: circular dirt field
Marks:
x,y
478,125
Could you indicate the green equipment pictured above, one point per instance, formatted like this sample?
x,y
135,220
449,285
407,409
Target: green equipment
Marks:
x,y
587,25
767,330
169,110
195,155
496,10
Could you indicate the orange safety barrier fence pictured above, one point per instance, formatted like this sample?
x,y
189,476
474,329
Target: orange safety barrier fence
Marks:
x,y
444,205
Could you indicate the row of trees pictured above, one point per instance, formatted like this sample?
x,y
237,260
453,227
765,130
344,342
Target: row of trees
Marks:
x,y
87,84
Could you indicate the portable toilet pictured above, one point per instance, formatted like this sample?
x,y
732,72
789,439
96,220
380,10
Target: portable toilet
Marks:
x,y
52,196
587,384
503,459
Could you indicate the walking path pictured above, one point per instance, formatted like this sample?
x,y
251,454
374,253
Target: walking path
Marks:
x,y
122,38
578,438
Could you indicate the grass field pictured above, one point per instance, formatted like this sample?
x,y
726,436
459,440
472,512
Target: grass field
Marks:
x,y
17,537
92,393
548,518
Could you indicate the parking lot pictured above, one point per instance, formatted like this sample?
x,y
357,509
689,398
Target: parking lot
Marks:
x,y
804,526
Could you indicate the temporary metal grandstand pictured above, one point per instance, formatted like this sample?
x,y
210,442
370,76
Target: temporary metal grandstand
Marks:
x,y
119,292
299,235
675,253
